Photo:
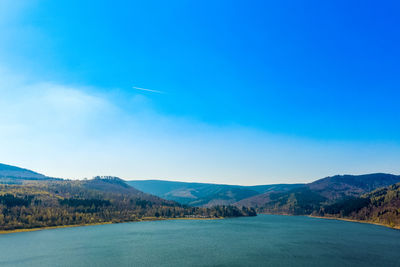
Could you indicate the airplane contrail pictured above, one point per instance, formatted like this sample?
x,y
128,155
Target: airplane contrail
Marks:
x,y
148,90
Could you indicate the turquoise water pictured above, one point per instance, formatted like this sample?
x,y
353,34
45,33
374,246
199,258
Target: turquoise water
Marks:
x,y
266,240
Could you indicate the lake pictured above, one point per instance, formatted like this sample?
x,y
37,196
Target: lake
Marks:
x,y
265,240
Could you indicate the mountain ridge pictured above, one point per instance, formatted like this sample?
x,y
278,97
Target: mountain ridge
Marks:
x,y
204,194
311,197
31,200
370,197
10,171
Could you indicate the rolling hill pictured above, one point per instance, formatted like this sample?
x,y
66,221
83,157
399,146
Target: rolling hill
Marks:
x,y
15,174
309,198
204,194
380,206
35,201
29,199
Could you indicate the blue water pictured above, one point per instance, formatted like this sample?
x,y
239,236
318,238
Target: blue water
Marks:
x,y
266,240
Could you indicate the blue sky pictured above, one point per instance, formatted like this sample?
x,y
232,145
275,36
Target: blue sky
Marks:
x,y
247,93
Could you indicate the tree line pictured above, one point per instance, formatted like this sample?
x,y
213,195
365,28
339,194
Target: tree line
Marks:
x,y
57,203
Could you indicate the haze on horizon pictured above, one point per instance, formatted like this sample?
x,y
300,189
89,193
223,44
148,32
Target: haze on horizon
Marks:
x,y
221,92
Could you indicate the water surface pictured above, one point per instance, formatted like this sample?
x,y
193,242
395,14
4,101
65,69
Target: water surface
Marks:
x,y
265,240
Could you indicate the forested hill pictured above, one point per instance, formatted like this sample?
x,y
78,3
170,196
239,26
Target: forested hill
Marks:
x,y
309,197
205,194
340,186
339,195
380,206
36,203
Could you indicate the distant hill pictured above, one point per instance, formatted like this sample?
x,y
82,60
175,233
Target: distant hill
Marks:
x,y
306,199
16,175
8,171
340,186
36,201
111,184
29,198
263,196
204,194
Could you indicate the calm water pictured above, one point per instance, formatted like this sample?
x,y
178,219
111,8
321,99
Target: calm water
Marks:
x,y
266,240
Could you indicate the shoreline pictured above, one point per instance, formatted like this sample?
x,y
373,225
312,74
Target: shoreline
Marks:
x,y
145,219
355,221
338,219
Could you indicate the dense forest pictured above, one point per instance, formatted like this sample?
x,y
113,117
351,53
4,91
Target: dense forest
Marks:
x,y
32,200
204,194
45,203
380,206
371,198
305,198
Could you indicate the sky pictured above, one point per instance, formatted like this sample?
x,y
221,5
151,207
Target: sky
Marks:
x,y
233,92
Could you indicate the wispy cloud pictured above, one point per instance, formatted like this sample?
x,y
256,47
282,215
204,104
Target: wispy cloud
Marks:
x,y
148,90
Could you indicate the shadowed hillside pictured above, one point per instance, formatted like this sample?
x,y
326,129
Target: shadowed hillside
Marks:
x,y
13,174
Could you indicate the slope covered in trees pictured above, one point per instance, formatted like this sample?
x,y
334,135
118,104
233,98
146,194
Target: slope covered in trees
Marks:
x,y
370,198
55,203
380,206
309,198
204,194
36,203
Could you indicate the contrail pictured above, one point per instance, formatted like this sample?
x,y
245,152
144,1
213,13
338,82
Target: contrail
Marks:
x,y
148,90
